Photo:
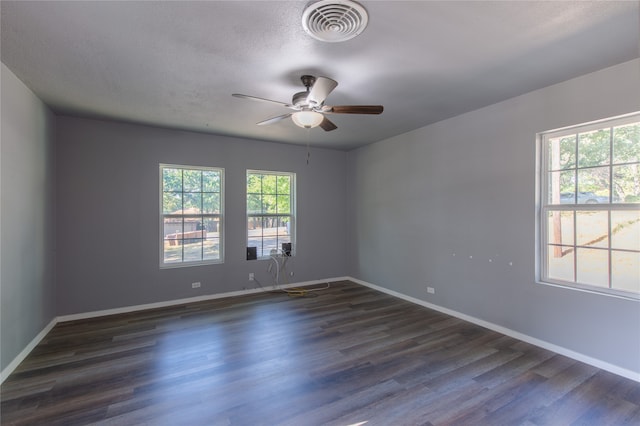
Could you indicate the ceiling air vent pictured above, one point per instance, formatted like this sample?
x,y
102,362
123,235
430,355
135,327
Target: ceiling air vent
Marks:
x,y
334,20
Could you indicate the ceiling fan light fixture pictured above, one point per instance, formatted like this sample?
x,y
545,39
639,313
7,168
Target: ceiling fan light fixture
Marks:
x,y
307,119
334,21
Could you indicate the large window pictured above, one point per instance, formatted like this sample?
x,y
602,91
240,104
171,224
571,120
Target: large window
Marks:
x,y
270,211
191,215
590,206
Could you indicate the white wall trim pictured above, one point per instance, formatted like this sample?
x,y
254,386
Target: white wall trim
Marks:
x,y
127,309
26,351
629,374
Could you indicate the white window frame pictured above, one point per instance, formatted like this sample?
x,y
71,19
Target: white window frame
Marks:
x,y
292,214
219,216
545,207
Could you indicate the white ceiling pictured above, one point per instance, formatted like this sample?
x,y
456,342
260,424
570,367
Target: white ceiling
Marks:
x,y
176,64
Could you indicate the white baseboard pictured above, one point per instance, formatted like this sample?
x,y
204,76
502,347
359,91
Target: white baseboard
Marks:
x,y
23,354
629,374
134,308
508,332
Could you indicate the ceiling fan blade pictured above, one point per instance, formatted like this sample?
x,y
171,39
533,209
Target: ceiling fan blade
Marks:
x,y
355,109
320,90
255,98
273,119
327,125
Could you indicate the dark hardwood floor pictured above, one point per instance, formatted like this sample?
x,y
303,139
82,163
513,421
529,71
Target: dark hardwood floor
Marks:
x,y
344,356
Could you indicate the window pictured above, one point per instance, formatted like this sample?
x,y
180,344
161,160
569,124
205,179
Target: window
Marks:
x,y
191,215
270,211
590,206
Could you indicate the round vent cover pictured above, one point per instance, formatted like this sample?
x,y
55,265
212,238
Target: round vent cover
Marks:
x,y
334,20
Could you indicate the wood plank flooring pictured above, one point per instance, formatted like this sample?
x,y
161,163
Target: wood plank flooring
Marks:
x,y
344,356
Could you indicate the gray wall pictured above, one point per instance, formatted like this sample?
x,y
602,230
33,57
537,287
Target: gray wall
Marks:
x,y
453,204
108,218
27,301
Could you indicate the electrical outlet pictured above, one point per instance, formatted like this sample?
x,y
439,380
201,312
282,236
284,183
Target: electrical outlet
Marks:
x,y
252,277
431,290
291,273
195,285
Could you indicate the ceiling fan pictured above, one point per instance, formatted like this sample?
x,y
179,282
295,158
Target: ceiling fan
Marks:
x,y
309,105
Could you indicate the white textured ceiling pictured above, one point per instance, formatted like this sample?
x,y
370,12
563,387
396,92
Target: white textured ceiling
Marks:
x,y
176,64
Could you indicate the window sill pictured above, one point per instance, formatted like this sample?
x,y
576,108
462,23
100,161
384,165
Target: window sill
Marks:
x,y
592,290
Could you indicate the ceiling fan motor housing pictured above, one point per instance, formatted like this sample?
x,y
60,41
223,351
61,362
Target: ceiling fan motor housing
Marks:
x,y
300,99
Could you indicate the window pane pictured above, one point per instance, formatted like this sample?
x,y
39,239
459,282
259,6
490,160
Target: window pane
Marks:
x,y
192,180
626,144
211,248
593,185
626,183
192,224
269,184
254,183
560,227
254,229
284,230
172,239
625,268
560,263
254,223
172,253
211,226
592,229
562,187
210,181
270,245
172,180
171,227
284,184
283,204
172,203
192,202
192,250
269,204
593,267
254,203
593,148
562,152
211,202
625,229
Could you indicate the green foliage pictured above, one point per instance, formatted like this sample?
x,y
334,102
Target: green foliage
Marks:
x,y
171,180
210,181
268,193
171,202
192,180
592,170
626,144
593,148
195,190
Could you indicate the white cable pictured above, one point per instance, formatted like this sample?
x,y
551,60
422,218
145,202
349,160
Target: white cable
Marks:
x,y
281,268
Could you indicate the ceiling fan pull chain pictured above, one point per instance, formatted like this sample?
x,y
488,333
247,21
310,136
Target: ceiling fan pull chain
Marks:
x,y
308,151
